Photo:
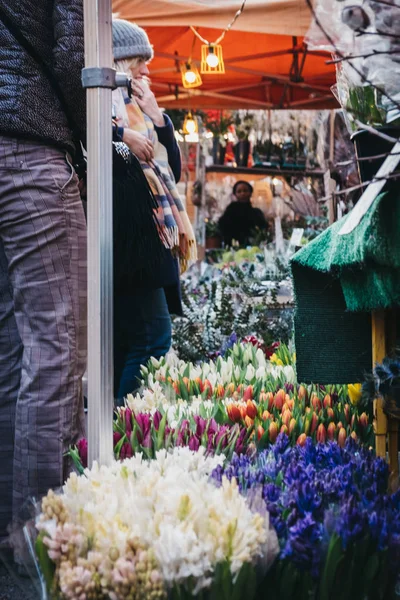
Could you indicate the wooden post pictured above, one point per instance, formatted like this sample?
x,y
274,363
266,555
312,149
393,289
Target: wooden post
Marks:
x,y
378,354
393,424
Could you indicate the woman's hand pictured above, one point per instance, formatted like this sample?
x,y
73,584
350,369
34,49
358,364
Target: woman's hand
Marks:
x,y
147,102
138,144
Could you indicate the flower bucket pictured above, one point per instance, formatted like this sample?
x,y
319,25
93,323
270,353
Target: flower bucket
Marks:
x,y
242,151
218,152
367,144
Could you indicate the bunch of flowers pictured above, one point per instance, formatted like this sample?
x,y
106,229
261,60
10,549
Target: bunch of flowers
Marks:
x,y
334,519
151,530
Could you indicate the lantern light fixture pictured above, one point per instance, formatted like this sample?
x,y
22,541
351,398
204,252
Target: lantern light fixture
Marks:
x,y
190,124
191,77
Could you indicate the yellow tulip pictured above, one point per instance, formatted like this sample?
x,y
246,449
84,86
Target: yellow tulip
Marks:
x,y
354,392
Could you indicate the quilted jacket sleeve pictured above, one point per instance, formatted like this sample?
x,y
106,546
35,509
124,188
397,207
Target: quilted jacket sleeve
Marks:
x,y
68,57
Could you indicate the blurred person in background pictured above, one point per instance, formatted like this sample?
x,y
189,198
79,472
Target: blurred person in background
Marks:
x,y
241,219
142,305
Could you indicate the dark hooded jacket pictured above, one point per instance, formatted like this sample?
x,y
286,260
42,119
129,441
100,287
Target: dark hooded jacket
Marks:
x,y
29,107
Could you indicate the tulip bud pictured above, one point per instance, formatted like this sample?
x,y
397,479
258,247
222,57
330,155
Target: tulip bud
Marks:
x,y
292,425
248,422
316,402
220,391
339,425
353,420
301,440
287,398
347,413
176,387
251,409
209,387
230,388
186,381
273,432
266,415
302,393
354,435
233,413
331,431
314,423
363,420
235,396
260,432
240,388
330,413
286,417
321,434
327,401
270,397
248,393
263,397
284,408
279,399
243,411
290,403
342,437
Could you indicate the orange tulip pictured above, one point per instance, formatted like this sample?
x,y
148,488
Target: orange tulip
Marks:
x,y
230,388
342,437
243,411
314,423
354,435
251,409
292,425
290,403
279,399
327,401
302,393
321,434
330,413
284,429
347,413
270,397
316,402
209,387
220,391
249,422
301,440
286,417
331,431
273,432
266,415
200,384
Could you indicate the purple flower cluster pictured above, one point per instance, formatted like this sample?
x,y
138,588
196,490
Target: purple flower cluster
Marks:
x,y
316,491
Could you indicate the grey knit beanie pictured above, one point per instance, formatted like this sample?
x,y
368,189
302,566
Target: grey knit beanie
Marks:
x,y
130,40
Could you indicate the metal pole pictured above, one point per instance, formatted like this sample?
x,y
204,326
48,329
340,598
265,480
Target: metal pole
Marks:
x,y
98,53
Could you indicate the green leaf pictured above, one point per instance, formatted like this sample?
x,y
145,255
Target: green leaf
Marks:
x,y
47,566
328,577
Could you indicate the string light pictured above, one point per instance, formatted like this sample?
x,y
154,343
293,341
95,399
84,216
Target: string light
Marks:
x,y
211,52
191,77
190,124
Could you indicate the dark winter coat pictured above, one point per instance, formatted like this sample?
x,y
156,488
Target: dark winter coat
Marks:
x,y
239,221
29,107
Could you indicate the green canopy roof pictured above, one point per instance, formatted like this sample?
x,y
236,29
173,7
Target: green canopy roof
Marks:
x,y
338,281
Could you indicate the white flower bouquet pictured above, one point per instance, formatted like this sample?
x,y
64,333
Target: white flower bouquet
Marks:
x,y
149,530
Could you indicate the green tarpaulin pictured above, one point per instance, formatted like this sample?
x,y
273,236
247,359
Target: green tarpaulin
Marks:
x,y
338,281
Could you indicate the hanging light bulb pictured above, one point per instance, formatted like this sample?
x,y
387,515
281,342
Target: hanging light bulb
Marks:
x,y
190,124
212,59
191,77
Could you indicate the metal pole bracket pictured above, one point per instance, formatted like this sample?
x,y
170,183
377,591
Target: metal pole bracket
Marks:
x,y
104,77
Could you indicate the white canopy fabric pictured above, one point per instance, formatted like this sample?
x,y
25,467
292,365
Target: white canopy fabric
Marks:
x,y
290,17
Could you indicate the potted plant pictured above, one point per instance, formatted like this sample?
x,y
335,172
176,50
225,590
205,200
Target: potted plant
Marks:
x,y
384,382
218,123
213,236
244,122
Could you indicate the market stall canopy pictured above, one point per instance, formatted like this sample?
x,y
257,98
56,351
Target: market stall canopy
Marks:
x,y
266,62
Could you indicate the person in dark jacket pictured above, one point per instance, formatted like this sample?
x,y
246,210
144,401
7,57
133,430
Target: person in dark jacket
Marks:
x,y
42,250
240,218
142,324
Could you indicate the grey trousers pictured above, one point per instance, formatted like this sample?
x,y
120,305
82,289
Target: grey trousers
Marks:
x,y
43,339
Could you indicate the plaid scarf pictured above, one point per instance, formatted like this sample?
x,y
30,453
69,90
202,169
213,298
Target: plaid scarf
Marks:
x,y
175,229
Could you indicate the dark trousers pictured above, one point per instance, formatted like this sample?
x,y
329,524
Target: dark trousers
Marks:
x,y
142,329
42,320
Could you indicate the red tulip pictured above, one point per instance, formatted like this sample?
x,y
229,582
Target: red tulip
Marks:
x,y
316,402
234,413
347,413
251,409
327,401
260,432
314,423
363,420
248,393
220,391
270,397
